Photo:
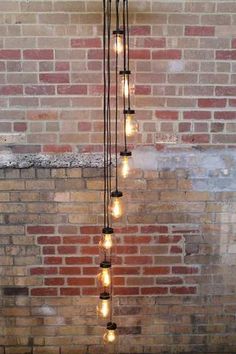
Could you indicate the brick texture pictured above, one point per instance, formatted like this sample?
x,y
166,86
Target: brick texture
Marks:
x,y
183,59
173,274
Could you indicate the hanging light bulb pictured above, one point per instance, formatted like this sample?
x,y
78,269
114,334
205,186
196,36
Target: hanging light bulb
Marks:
x,y
118,41
107,244
125,163
117,207
104,306
110,336
104,277
131,127
125,83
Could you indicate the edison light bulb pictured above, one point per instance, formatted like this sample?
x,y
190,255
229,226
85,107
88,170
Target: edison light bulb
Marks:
x,y
106,242
125,163
118,41
125,167
116,208
110,336
105,277
104,306
131,126
118,45
125,86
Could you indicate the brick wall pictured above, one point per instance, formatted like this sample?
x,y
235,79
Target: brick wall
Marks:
x,y
175,270
174,276
183,58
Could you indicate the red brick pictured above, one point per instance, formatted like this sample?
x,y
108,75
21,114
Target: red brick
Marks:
x,y
40,90
38,54
195,115
54,78
225,91
225,115
49,250
62,66
95,54
154,291
140,54
44,292
126,270
86,43
43,240
183,290
142,90
90,270
184,270
126,291
76,239
11,90
70,291
91,250
140,30
196,138
232,102
54,281
89,291
44,230
78,260
81,281
70,270
43,271
233,43
66,249
90,230
42,115
176,249
10,54
169,239
72,90
154,229
137,239
199,31
52,260
156,270
167,115
20,127
211,102
126,249
167,54
226,54
138,260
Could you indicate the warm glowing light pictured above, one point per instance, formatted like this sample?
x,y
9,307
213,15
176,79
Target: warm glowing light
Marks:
x,y
116,208
118,45
105,277
103,309
131,126
125,86
106,242
125,167
110,336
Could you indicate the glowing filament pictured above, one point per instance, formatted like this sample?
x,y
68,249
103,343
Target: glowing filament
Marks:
x,y
110,336
105,277
106,242
125,86
104,308
118,46
131,126
125,169
116,209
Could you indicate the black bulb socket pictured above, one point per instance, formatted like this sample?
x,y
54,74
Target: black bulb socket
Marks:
x,y
118,32
125,72
107,230
116,194
105,264
126,153
111,326
129,111
104,296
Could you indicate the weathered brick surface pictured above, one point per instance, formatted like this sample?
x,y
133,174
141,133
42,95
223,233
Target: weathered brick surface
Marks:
x,y
183,57
174,280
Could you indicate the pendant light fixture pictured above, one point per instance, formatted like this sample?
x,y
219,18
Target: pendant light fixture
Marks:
x,y
113,198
